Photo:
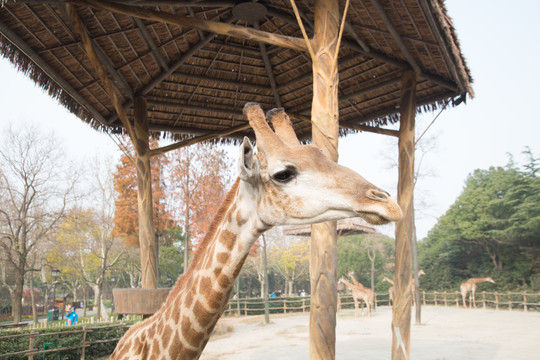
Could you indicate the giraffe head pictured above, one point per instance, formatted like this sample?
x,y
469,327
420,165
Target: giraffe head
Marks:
x,y
489,279
298,184
421,272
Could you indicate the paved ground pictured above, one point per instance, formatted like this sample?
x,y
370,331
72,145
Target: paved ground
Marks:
x,y
446,333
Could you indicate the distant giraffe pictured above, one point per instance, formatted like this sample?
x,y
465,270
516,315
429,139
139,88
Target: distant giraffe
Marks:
x,y
390,290
412,288
359,293
356,282
470,286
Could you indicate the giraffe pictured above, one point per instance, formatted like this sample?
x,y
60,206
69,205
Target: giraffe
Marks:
x,y
413,287
390,290
359,292
284,183
470,286
356,282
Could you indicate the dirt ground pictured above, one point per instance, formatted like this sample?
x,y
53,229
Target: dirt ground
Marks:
x,y
446,333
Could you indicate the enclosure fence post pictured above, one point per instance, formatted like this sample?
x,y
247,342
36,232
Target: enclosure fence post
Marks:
x,y
83,343
445,299
457,299
496,300
483,299
303,305
31,346
509,301
284,306
245,309
424,296
525,302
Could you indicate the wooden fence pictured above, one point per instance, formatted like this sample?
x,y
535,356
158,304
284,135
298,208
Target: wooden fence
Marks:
x,y
34,336
283,305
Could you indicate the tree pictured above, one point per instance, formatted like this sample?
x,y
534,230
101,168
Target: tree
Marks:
x,y
199,175
493,227
36,186
290,259
126,219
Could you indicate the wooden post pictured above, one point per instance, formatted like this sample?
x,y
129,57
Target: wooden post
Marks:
x,y
496,300
525,302
457,299
401,312
31,346
435,293
147,235
445,299
325,133
509,301
83,350
483,299
284,306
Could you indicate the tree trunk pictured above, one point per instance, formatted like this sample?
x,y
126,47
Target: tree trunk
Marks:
x,y
16,298
401,311
325,133
147,235
33,298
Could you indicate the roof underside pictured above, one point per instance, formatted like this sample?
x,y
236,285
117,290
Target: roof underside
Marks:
x,y
197,82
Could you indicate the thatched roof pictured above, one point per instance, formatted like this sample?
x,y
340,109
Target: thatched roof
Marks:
x,y
197,81
345,227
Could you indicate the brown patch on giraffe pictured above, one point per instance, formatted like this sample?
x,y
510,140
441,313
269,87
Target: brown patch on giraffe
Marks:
x,y
192,336
217,271
203,316
188,301
155,349
205,285
167,333
240,220
228,239
223,257
239,267
224,281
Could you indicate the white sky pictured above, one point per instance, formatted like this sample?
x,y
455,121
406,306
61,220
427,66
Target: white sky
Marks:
x,y
500,41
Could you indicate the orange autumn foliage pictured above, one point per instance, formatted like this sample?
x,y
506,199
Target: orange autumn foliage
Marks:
x,y
125,183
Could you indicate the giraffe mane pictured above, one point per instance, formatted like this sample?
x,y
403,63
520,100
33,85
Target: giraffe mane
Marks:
x,y
205,241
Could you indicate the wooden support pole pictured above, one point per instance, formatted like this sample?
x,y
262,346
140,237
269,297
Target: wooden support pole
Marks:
x,y
401,312
325,132
147,236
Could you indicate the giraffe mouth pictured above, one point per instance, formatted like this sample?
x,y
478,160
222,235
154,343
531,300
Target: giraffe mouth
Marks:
x,y
374,218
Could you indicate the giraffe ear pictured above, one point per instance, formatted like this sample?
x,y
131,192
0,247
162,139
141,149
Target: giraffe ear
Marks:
x,y
248,167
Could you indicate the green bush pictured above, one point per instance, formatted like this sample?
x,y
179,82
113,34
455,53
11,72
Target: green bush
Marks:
x,y
64,338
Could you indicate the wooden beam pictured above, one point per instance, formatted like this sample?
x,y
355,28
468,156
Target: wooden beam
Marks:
x,y
157,80
401,310
180,106
50,72
239,84
196,23
325,133
270,72
151,44
111,90
199,139
147,235
395,34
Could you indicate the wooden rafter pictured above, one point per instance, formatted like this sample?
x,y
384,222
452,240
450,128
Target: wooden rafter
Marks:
x,y
112,91
196,23
270,72
151,44
395,35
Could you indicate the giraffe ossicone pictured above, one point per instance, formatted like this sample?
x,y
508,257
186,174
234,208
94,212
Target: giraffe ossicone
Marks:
x,y
283,183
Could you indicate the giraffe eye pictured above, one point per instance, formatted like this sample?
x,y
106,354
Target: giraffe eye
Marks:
x,y
285,176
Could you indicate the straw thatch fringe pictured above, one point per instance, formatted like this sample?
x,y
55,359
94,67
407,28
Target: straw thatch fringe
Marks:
x,y
23,64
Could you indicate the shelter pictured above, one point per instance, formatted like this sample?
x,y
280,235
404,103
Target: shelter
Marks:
x,y
344,227
185,69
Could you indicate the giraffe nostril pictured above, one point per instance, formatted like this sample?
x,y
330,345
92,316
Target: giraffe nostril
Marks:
x,y
377,195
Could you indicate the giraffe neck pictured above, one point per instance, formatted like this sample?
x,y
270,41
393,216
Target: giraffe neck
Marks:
x,y
183,325
478,280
